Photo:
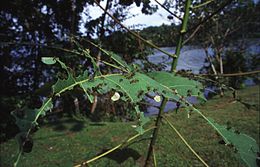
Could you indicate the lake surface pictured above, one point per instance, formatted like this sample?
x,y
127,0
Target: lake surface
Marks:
x,y
191,58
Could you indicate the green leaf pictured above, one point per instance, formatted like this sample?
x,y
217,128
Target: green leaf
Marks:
x,y
142,121
184,86
48,60
68,84
28,122
64,84
140,130
132,87
246,146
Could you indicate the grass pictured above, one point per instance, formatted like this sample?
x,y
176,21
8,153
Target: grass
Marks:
x,y
69,142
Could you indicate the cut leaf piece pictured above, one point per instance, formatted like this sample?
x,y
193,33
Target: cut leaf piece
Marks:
x,y
115,97
157,98
48,60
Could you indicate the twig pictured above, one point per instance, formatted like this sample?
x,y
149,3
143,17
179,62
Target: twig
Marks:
x,y
113,149
232,74
154,158
151,105
168,10
192,35
210,16
64,50
185,142
203,4
133,33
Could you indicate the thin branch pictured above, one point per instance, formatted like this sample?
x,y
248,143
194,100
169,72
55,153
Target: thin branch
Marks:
x,y
151,105
215,82
185,142
203,4
154,158
168,10
113,149
133,33
210,61
64,50
192,35
232,74
210,16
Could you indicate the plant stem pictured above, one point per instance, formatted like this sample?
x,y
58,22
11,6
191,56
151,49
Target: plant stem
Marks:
x,y
18,158
112,149
173,68
155,132
182,32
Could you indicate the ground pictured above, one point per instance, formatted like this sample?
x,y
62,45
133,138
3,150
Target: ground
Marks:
x,y
69,142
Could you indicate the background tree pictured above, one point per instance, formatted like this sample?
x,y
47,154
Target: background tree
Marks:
x,y
32,29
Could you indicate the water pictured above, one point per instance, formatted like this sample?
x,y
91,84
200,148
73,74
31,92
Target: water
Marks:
x,y
191,58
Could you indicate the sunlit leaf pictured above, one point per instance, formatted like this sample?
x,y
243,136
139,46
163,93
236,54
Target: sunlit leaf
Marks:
x,y
115,97
157,98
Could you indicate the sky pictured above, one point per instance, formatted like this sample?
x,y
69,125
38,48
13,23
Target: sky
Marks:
x,y
156,19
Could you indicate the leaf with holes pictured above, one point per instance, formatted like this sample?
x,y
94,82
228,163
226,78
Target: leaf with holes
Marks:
x,y
245,145
184,86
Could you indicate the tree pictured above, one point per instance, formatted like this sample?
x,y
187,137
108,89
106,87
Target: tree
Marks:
x,y
46,28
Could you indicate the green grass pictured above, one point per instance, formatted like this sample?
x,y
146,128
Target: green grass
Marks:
x,y
70,142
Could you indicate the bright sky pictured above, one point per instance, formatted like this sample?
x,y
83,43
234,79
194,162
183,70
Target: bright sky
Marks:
x,y
156,19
